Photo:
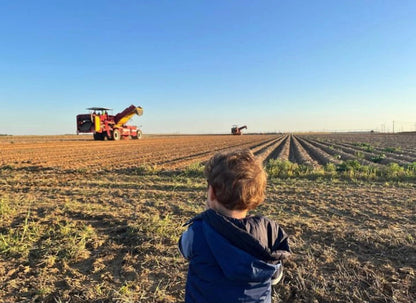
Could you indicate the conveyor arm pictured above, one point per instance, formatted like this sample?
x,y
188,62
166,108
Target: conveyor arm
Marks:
x,y
122,118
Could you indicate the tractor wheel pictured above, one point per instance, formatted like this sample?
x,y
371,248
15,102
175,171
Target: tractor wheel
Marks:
x,y
116,135
138,135
100,136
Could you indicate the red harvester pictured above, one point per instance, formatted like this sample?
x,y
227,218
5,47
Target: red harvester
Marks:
x,y
105,126
235,130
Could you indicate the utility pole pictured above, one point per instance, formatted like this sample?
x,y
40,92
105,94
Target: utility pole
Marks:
x,y
393,126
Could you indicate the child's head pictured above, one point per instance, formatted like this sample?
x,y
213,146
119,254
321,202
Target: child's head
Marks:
x,y
237,178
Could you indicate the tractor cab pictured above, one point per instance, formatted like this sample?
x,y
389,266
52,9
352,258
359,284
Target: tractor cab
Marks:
x,y
101,112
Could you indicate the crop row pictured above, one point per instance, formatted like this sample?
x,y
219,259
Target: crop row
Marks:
x,y
315,152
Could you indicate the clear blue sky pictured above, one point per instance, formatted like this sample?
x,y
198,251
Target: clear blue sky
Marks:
x,y
202,66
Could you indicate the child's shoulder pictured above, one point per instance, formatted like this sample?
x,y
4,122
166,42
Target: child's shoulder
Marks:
x,y
197,218
260,226
259,220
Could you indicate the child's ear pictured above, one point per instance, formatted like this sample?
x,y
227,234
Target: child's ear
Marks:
x,y
211,193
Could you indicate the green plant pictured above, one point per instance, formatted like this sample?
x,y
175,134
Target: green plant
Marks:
x,y
160,229
146,169
5,208
330,168
365,146
68,240
348,165
411,168
18,240
194,170
393,170
353,169
378,158
392,149
278,168
359,154
126,292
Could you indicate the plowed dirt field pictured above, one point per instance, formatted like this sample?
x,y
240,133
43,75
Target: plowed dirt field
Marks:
x,y
99,221
76,152
170,152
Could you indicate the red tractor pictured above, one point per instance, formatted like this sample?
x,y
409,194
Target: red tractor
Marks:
x,y
105,126
235,130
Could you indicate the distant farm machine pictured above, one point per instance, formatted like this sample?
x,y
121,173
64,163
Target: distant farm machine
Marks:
x,y
105,126
235,130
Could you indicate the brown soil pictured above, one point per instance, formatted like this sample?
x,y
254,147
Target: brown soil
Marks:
x,y
87,221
